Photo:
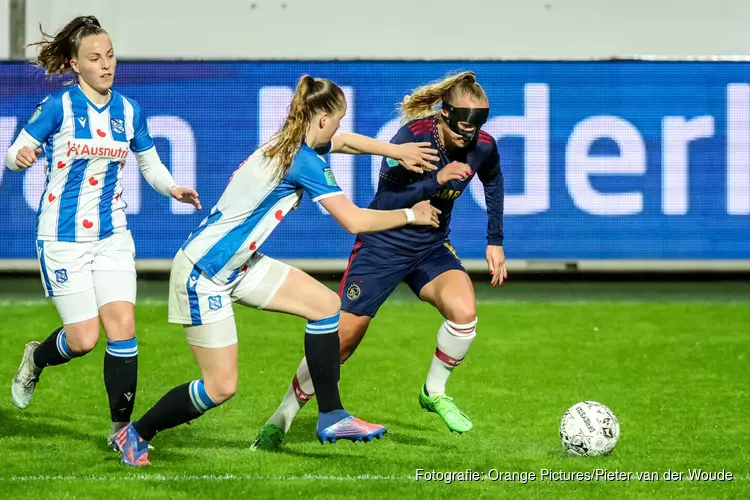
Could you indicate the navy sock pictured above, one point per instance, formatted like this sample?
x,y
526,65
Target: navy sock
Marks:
x,y
179,406
322,353
54,350
121,377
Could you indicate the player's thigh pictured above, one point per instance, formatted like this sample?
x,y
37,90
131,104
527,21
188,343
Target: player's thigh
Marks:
x,y
442,281
452,293
370,278
66,270
302,295
218,364
78,312
195,300
114,279
66,267
113,269
118,320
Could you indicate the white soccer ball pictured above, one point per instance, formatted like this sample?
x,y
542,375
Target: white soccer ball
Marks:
x,y
589,429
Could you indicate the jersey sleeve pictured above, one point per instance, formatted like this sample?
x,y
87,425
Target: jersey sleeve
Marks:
x,y
400,188
313,175
142,139
491,177
491,166
403,136
45,120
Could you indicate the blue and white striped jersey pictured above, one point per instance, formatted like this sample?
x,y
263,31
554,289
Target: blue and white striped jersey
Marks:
x,y
251,207
85,146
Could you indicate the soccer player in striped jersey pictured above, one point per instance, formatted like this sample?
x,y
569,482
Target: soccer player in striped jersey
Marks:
x,y
85,250
220,263
423,257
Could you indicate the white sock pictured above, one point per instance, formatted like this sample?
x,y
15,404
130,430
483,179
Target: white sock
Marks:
x,y
300,392
453,342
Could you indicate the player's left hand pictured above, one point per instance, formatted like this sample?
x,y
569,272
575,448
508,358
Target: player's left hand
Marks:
x,y
186,195
416,156
496,262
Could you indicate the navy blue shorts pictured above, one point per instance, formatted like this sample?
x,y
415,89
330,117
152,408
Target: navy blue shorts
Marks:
x,y
373,273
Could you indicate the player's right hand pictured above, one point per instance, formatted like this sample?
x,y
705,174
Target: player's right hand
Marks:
x,y
26,157
454,171
425,214
416,156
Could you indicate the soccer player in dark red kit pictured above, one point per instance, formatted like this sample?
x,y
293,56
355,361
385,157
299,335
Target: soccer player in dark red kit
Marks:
x,y
422,257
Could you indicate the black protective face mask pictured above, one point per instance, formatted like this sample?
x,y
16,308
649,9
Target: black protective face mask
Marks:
x,y
474,116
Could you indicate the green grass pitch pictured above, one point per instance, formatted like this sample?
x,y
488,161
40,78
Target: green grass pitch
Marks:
x,y
675,373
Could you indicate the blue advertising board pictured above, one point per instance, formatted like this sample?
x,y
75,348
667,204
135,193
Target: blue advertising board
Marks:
x,y
602,160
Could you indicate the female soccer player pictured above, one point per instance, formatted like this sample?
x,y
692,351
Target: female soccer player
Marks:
x,y
85,250
423,257
220,264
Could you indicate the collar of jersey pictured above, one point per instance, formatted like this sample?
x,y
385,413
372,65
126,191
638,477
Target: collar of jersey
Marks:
x,y
99,109
435,132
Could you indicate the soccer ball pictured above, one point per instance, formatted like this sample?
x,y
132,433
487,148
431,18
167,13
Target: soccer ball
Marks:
x,y
589,429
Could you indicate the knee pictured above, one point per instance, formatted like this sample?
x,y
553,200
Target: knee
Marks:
x,y
121,328
461,313
221,389
83,340
329,305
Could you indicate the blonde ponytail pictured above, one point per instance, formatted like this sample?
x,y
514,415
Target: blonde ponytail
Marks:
x,y
424,100
312,96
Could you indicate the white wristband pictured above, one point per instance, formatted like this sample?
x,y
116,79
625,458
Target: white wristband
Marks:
x,y
410,217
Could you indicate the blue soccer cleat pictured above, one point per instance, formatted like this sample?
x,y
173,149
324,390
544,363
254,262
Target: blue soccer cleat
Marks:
x,y
133,447
346,426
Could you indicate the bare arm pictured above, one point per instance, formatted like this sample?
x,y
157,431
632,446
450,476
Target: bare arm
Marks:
x,y
415,156
361,220
356,144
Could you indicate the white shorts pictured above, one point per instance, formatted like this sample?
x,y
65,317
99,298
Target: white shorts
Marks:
x,y
195,300
83,276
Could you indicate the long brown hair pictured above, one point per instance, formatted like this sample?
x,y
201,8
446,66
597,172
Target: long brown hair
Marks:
x,y
312,96
57,50
424,100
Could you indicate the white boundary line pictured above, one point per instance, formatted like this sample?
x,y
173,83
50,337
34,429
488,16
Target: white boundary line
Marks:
x,y
115,477
471,265
499,301
210,477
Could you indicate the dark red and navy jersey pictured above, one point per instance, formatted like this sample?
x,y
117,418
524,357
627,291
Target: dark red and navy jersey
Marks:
x,y
401,188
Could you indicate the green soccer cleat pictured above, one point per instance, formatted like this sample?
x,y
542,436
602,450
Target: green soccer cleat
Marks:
x,y
269,439
455,419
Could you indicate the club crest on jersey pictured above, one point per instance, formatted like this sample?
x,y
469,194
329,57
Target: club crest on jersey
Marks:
x,y
330,179
61,276
391,162
118,126
352,293
35,115
214,302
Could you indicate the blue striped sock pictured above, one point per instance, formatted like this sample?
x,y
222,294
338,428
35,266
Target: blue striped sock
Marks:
x,y
322,354
123,348
62,345
201,400
325,325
